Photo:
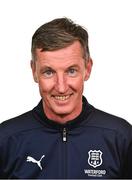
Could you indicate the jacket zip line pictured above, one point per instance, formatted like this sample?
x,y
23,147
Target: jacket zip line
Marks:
x,y
64,145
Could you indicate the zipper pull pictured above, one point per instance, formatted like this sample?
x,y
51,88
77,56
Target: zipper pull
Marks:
x,y
64,135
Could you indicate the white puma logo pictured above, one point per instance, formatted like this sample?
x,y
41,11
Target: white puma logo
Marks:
x,y
31,159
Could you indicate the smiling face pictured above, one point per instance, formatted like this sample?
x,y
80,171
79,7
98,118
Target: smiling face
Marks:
x,y
60,75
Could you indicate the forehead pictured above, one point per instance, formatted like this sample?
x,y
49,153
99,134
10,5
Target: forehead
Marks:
x,y
72,53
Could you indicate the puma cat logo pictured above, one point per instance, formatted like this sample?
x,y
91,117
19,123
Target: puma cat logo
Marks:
x,y
31,159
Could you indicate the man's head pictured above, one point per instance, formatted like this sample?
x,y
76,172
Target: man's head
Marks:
x,y
61,63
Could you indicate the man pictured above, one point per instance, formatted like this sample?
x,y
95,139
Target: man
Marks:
x,y
64,137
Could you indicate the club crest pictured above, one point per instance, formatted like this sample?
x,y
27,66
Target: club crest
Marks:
x,y
95,158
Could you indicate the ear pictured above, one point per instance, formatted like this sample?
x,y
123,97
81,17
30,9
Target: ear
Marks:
x,y
33,67
88,67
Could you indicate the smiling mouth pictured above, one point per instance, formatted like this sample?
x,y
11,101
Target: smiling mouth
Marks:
x,y
62,98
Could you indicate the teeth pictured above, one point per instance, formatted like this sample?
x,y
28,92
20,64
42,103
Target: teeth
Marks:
x,y
62,98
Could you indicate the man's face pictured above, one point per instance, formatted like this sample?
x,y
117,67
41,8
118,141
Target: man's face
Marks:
x,y
60,75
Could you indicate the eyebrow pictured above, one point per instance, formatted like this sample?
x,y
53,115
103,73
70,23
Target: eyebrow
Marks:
x,y
46,67
74,65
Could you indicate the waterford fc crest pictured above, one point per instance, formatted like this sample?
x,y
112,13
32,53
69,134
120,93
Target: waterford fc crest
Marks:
x,y
95,158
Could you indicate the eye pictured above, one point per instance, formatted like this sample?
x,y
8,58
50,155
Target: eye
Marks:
x,y
48,73
72,72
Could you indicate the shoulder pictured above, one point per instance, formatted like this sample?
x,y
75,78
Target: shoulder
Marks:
x,y
107,121
23,122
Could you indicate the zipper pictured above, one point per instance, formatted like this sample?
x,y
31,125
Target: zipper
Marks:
x,y
64,135
64,150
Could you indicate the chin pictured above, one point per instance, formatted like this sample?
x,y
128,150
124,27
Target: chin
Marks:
x,y
62,111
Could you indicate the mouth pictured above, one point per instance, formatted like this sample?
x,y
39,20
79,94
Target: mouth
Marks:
x,y
62,97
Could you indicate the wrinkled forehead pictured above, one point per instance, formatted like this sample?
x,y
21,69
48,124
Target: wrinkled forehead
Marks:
x,y
75,49
62,58
72,51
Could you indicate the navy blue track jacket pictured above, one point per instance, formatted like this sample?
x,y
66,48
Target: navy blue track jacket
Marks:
x,y
94,145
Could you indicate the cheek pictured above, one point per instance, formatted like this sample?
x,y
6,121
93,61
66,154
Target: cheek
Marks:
x,y
45,85
77,83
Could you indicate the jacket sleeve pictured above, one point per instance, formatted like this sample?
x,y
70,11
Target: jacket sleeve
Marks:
x,y
1,161
5,154
127,166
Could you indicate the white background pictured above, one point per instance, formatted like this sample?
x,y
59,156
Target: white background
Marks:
x,y
109,23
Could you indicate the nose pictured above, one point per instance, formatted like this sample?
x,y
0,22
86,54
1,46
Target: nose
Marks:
x,y
61,83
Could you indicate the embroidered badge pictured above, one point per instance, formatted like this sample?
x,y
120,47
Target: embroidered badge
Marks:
x,y
95,158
